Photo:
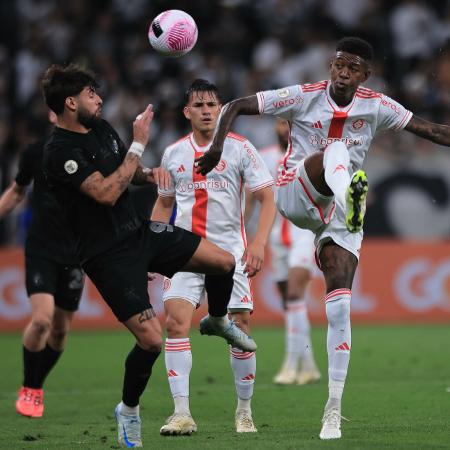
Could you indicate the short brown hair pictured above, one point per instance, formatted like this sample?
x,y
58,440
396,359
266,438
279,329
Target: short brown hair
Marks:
x,y
61,82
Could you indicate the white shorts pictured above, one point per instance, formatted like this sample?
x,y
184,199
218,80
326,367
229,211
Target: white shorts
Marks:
x,y
299,254
191,287
300,203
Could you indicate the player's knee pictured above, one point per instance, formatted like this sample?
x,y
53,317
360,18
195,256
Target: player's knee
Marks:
x,y
151,343
58,336
338,311
227,262
40,325
177,327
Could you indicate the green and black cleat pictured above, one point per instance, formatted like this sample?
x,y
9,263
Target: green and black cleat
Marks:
x,y
356,201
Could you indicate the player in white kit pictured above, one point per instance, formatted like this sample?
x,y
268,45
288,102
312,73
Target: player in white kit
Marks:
x,y
293,261
322,187
213,207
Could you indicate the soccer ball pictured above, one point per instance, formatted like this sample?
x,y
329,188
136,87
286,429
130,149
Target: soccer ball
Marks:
x,y
173,33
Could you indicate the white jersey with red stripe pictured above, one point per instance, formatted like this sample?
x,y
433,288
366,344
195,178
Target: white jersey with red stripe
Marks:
x,y
213,205
316,121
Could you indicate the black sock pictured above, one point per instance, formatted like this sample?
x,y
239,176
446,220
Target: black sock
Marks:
x,y
138,368
219,288
32,366
49,359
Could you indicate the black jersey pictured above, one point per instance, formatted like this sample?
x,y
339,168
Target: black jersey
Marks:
x,y
48,235
70,158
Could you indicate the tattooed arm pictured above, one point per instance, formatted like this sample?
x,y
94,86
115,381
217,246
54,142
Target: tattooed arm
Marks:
x,y
439,134
107,190
246,106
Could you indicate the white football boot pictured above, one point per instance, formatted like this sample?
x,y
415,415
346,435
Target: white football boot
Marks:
x,y
178,425
244,422
128,429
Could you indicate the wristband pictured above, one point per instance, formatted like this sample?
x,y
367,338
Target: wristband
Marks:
x,y
137,148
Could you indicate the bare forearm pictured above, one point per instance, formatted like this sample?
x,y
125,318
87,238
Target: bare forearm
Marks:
x,y
437,133
241,106
266,219
162,211
11,198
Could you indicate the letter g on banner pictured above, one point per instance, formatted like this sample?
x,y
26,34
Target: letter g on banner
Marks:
x,y
421,284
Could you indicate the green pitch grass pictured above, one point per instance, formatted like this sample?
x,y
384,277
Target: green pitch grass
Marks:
x,y
397,395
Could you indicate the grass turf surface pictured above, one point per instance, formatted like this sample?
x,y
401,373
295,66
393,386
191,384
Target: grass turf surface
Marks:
x,y
396,397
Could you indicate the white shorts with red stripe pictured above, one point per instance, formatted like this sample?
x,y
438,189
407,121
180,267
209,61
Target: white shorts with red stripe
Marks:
x,y
191,287
299,202
299,254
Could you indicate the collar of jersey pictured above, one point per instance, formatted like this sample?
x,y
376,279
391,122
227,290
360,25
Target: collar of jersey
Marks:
x,y
332,103
198,148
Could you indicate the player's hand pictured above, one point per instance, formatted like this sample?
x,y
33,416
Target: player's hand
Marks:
x,y
253,258
141,126
160,177
208,160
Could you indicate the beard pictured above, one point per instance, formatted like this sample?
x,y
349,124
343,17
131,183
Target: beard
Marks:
x,y
87,119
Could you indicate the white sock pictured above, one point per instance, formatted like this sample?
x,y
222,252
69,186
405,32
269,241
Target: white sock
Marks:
x,y
128,410
292,335
178,359
243,365
304,334
336,162
339,341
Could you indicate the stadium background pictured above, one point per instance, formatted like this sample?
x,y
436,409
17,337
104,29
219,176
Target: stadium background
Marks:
x,y
245,46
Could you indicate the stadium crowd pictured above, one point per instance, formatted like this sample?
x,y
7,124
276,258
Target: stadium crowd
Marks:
x,y
243,47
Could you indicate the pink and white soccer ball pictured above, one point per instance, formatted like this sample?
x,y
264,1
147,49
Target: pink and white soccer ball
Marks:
x,y
173,33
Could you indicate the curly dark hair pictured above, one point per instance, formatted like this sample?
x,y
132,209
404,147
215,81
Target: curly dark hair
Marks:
x,y
61,82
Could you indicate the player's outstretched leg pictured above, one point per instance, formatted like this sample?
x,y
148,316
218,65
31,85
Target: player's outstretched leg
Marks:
x,y
223,327
356,201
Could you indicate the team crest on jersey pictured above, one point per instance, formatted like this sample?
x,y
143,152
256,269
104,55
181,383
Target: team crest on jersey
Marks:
x,y
166,285
358,124
283,93
221,166
70,166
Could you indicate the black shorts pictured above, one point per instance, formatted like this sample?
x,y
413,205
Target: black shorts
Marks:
x,y
120,273
64,282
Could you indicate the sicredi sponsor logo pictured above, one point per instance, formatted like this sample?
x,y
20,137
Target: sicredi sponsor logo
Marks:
x,y
318,141
217,185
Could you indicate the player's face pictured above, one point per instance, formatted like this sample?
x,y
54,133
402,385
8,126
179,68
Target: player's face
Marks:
x,y
347,73
89,107
202,110
282,130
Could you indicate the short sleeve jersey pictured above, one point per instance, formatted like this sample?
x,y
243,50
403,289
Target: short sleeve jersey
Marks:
x,y
69,159
280,233
212,206
48,235
316,121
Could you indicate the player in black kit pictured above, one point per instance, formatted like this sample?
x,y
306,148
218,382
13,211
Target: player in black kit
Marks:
x,y
54,279
90,169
